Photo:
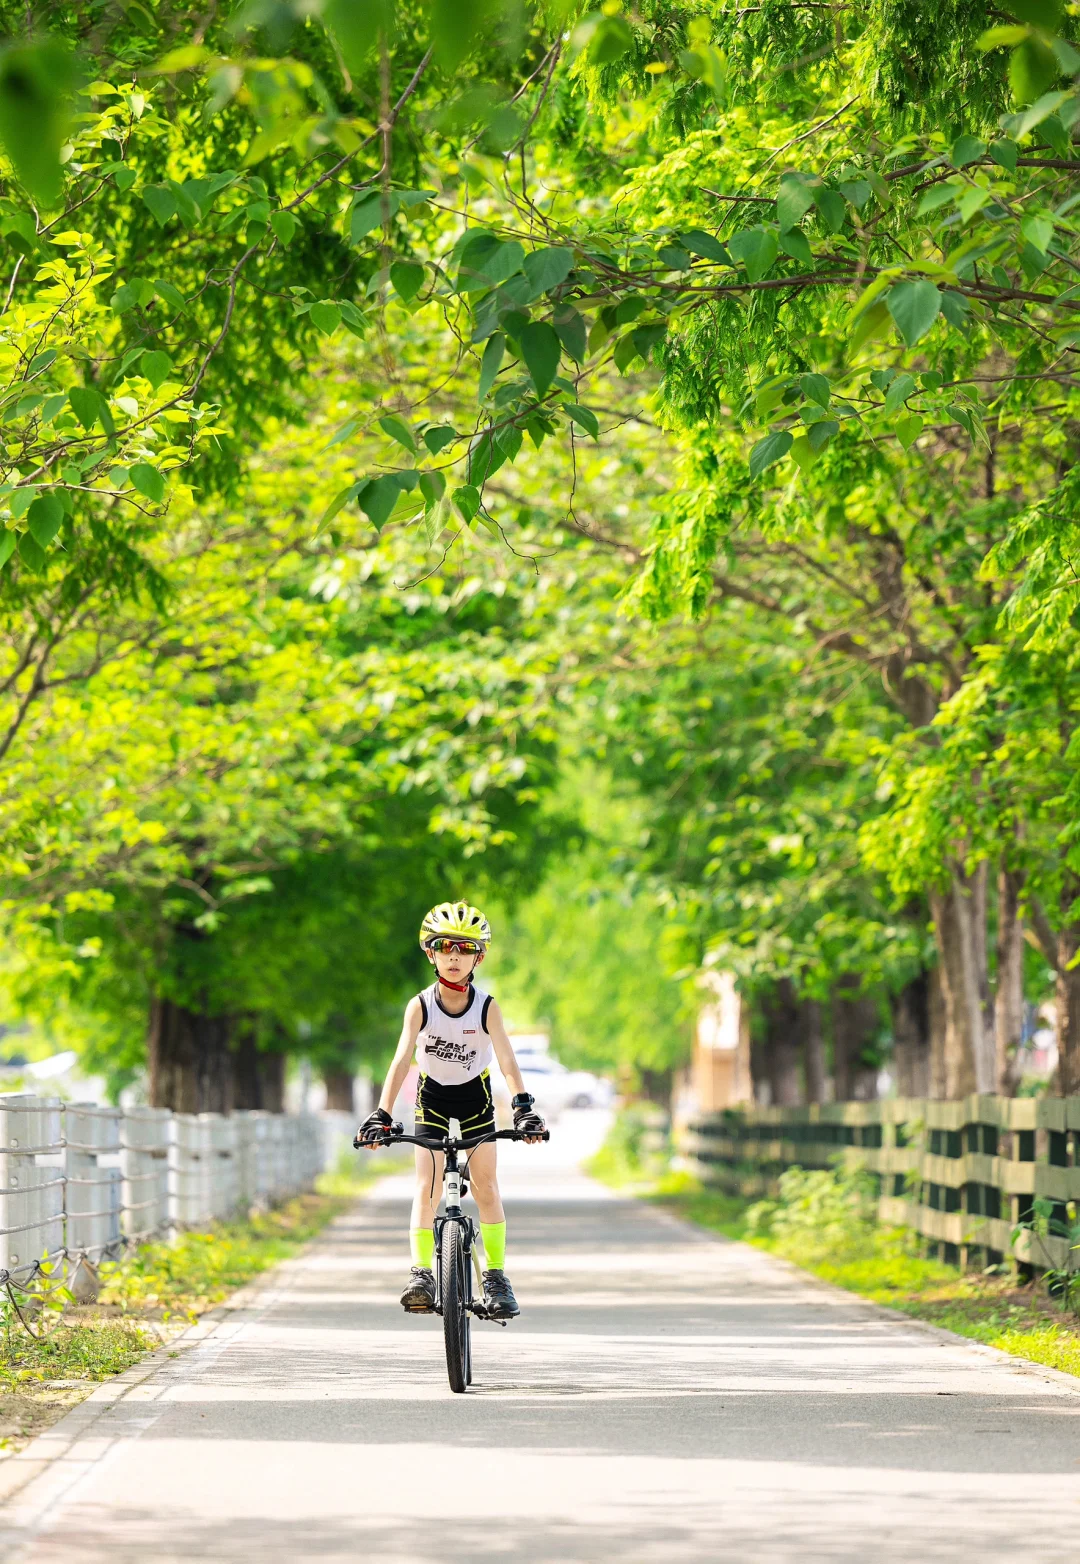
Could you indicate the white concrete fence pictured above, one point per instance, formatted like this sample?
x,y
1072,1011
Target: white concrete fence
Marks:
x,y
80,1182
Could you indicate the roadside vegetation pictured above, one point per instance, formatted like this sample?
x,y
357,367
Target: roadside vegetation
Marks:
x,y
823,1222
147,1300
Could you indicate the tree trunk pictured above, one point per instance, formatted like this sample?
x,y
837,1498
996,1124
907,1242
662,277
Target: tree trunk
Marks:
x,y
911,1037
782,1044
1009,998
957,940
813,1041
339,1089
985,1063
257,1076
1067,994
272,1072
855,1027
938,1033
189,1058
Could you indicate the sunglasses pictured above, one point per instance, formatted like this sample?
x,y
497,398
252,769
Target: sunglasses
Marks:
x,y
466,947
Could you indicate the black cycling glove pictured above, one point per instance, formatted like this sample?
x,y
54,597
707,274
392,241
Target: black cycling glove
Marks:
x,y
526,1122
374,1128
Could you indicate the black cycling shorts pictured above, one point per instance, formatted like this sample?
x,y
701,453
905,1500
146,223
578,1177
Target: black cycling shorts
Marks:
x,y
471,1104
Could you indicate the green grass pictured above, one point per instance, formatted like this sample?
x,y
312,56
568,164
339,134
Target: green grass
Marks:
x,y
819,1228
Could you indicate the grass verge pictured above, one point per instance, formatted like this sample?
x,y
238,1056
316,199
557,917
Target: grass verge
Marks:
x,y
147,1299
826,1231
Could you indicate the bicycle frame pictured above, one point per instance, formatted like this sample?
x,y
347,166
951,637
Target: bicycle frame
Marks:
x,y
455,1186
459,1302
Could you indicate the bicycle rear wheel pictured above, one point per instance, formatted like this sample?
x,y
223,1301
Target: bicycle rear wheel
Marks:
x,y
454,1287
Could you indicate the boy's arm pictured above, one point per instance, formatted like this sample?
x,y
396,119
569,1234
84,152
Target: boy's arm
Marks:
x,y
403,1056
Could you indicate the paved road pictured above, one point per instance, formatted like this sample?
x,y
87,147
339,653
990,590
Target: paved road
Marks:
x,y
664,1397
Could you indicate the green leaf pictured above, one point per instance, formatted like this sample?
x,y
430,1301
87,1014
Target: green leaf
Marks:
x,y
820,434
965,150
125,298
31,552
817,388
148,481
630,308
156,367
1005,37
936,197
793,201
549,267
772,449
378,498
36,83
406,278
1004,154
540,349
485,458
398,431
491,363
796,244
1033,67
698,242
898,393
87,405
170,295
914,306
284,225
570,329
908,429
674,257
432,487
161,202
1046,14
326,316
45,518
508,441
611,38
757,249
626,351
7,547
484,266
955,307
830,204
467,500
338,503
584,417
366,215
648,337
438,438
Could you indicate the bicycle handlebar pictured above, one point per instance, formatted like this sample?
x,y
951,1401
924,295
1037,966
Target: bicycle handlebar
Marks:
x,y
397,1137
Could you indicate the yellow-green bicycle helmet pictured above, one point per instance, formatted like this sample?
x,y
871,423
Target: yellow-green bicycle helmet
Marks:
x,y
455,920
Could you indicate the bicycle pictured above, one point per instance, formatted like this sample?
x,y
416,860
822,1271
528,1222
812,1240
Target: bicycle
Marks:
x,y
454,1298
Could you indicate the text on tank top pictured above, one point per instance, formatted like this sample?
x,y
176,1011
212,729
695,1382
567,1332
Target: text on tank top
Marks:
x,y
453,1049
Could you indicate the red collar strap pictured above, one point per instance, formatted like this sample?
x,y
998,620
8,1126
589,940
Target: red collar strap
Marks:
x,y
459,988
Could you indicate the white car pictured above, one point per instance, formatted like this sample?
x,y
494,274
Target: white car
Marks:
x,y
557,1088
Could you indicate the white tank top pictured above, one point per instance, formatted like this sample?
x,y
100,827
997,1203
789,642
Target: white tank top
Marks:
x,y
453,1049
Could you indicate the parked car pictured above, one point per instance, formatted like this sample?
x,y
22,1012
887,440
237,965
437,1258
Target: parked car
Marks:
x,y
557,1088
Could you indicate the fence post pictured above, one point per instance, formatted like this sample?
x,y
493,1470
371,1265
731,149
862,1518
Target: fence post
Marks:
x,y
31,1184
92,1191
144,1164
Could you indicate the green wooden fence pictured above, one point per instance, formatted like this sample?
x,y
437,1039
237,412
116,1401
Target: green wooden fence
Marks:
x,y
965,1174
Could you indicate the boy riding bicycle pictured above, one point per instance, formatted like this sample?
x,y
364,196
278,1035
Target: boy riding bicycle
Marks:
x,y
453,1028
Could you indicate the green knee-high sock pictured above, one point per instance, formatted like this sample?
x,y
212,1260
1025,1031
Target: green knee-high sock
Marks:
x,y
422,1244
494,1236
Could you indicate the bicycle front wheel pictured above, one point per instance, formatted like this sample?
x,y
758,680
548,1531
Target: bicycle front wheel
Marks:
x,y
454,1287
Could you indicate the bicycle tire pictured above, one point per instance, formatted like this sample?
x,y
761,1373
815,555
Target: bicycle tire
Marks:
x,y
454,1286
